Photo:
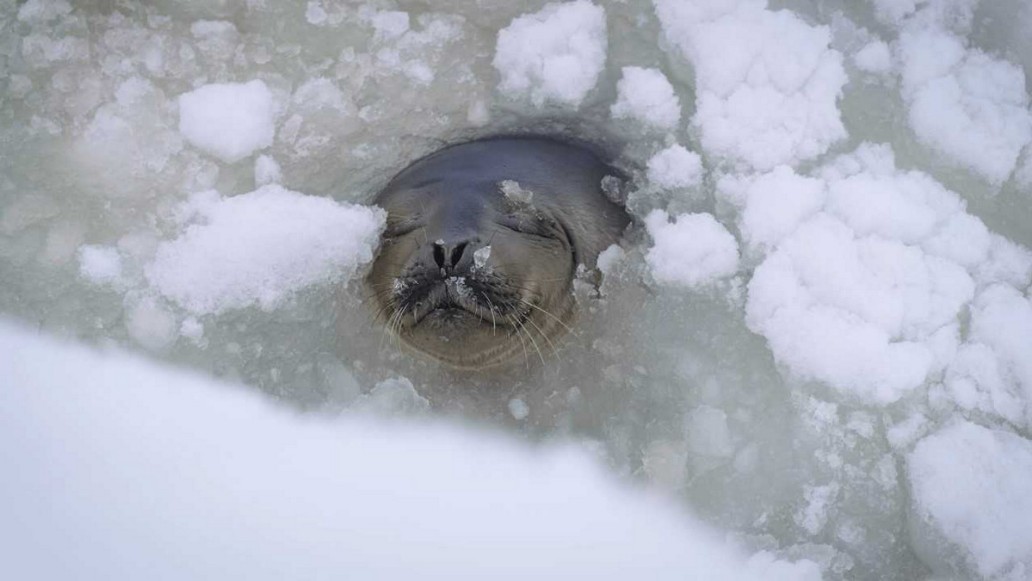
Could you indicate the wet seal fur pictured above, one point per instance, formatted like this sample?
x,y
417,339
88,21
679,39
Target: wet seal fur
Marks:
x,y
483,242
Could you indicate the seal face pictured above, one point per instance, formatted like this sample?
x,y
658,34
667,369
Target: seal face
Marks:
x,y
482,244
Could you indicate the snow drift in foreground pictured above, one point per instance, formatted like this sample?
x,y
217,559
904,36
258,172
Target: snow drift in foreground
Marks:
x,y
120,469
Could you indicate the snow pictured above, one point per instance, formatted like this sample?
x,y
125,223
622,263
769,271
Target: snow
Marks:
x,y
875,57
675,167
692,251
971,501
100,264
869,270
41,11
770,97
260,248
230,121
992,372
248,490
553,55
852,297
646,96
266,171
964,103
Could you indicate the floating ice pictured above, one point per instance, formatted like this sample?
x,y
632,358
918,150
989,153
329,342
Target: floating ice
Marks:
x,y
260,248
875,57
100,264
553,55
992,371
675,167
151,324
228,120
972,501
266,171
646,96
39,11
277,485
861,295
767,98
965,104
691,251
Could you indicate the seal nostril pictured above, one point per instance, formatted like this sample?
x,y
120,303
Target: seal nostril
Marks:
x,y
456,254
439,255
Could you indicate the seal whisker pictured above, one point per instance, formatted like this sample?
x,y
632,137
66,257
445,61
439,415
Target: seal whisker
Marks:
x,y
543,334
555,318
532,341
515,325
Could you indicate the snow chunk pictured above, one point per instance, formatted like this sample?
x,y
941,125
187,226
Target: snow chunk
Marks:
x,y
964,104
260,248
100,264
875,57
130,437
692,251
555,54
228,120
993,372
151,324
775,203
266,171
40,11
868,272
646,96
770,97
675,167
971,489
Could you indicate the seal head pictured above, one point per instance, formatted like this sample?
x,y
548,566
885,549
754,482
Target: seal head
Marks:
x,y
482,244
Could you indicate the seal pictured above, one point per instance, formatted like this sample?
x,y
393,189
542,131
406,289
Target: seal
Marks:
x,y
482,244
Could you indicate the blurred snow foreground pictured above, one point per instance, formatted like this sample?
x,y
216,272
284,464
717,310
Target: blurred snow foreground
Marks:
x,y
117,468
818,332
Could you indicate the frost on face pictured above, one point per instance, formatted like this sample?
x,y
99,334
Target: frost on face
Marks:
x,y
515,194
481,256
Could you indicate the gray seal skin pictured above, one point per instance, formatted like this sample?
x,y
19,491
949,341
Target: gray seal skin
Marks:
x,y
483,241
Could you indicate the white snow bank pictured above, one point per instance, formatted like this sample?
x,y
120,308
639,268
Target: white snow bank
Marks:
x,y
555,54
770,96
228,120
867,269
691,251
972,491
118,469
963,103
260,248
646,96
675,167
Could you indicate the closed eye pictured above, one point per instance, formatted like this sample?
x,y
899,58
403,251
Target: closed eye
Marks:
x,y
531,225
399,228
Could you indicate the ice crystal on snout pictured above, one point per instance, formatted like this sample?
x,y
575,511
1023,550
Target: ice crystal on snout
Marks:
x,y
481,256
515,194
